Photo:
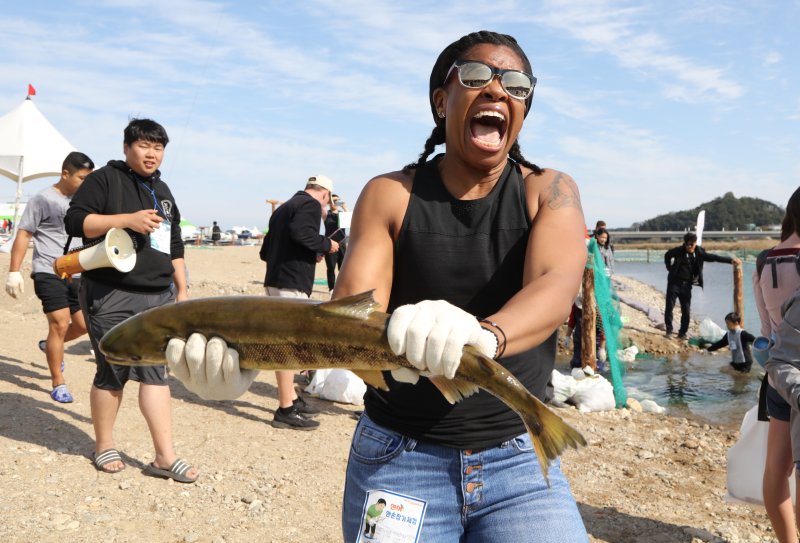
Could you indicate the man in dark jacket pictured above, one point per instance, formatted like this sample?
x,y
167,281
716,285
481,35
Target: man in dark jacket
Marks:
x,y
291,249
685,266
131,195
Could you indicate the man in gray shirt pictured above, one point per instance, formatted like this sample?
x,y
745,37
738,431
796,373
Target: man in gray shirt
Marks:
x,y
43,221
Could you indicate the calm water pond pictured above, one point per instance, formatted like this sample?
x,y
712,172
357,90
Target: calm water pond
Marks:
x,y
696,384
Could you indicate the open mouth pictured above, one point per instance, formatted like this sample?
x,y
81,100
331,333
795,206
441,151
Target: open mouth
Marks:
x,y
488,127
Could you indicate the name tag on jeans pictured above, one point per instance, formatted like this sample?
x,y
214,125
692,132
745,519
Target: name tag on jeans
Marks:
x,y
391,517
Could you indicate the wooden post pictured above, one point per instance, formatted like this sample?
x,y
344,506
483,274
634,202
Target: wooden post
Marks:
x,y
274,203
738,289
588,327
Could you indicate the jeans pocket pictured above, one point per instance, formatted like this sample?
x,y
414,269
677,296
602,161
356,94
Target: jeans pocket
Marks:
x,y
522,443
373,444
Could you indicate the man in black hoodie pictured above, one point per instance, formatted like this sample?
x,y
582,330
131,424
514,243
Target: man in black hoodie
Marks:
x,y
685,266
130,194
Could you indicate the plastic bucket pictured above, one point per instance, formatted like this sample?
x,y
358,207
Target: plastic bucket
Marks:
x,y
761,347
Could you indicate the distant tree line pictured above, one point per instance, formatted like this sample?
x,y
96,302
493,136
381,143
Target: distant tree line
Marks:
x,y
725,213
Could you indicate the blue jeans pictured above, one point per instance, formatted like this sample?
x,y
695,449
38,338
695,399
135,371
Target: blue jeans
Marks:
x,y
495,494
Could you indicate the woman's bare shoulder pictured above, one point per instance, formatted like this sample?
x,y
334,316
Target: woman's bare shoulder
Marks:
x,y
552,189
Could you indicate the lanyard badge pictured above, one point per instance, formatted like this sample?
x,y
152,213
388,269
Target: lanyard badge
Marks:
x,y
161,237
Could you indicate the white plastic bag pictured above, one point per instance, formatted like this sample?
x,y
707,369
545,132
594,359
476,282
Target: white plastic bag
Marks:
x,y
746,459
594,393
338,385
649,406
628,355
563,388
317,382
710,331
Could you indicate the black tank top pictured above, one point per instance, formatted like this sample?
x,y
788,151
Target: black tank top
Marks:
x,y
470,253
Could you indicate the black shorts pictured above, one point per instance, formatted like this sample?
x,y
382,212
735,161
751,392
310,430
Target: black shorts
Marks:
x,y
104,307
777,407
56,293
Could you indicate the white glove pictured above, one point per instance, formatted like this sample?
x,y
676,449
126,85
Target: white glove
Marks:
x,y
15,285
433,333
208,367
601,354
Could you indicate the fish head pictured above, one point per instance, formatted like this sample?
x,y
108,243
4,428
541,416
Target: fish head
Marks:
x,y
139,340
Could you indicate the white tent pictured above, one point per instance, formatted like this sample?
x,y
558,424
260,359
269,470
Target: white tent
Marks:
x,y
30,148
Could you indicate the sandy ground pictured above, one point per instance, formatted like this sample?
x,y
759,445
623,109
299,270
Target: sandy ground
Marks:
x,y
642,478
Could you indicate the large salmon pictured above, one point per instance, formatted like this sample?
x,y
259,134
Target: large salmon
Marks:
x,y
273,333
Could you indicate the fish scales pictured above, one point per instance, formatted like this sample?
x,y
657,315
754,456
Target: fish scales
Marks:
x,y
348,333
312,355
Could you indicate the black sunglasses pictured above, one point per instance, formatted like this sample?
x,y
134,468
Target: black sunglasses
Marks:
x,y
474,74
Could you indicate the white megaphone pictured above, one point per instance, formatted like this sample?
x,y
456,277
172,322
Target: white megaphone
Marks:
x,y
115,251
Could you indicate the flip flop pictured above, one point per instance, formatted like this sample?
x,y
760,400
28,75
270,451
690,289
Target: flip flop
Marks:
x,y
101,460
177,471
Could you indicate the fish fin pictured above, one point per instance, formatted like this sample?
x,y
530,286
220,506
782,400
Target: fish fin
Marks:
x,y
373,378
550,434
453,390
358,306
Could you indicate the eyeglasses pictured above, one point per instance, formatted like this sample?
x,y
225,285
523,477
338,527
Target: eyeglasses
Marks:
x,y
473,74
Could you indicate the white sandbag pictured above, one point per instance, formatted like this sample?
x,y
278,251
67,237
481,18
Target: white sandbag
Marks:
x,y
710,331
594,393
343,386
563,388
628,355
649,406
317,382
746,459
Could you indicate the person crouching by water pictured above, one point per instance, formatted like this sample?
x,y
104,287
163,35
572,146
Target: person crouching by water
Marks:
x,y
476,246
739,341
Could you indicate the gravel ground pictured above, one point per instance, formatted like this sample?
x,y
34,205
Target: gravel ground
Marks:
x,y
643,478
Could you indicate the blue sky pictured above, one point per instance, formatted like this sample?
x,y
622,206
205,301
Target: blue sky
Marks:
x,y
651,106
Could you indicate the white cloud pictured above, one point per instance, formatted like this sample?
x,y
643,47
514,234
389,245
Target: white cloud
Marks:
x,y
773,57
627,176
609,27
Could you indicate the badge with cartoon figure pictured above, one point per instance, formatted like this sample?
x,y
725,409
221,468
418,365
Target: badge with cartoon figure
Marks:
x,y
389,517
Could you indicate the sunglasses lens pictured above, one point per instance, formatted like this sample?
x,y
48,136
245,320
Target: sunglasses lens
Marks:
x,y
474,74
517,84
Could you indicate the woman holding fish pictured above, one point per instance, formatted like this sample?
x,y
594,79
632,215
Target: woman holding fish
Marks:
x,y
475,246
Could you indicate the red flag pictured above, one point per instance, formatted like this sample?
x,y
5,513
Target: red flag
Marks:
x,y
31,90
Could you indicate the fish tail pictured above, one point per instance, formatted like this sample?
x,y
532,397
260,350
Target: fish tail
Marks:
x,y
550,435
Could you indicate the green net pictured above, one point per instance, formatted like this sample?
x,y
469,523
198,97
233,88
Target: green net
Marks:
x,y
608,307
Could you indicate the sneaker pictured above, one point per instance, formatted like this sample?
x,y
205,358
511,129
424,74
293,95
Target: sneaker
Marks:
x,y
304,408
61,394
293,421
43,348
668,333
682,336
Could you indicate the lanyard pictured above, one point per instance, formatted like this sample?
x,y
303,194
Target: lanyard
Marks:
x,y
155,200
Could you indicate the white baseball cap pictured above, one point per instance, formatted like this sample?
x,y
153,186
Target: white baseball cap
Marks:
x,y
322,181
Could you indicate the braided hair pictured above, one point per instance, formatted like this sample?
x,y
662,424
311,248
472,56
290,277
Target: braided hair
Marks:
x,y
452,53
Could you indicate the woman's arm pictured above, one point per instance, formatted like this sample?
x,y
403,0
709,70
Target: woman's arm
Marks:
x,y
369,261
554,263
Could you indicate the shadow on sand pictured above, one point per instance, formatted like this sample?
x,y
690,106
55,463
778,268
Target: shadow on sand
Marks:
x,y
609,524
27,419
240,408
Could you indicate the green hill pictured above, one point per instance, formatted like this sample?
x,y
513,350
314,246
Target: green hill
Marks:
x,y
725,213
